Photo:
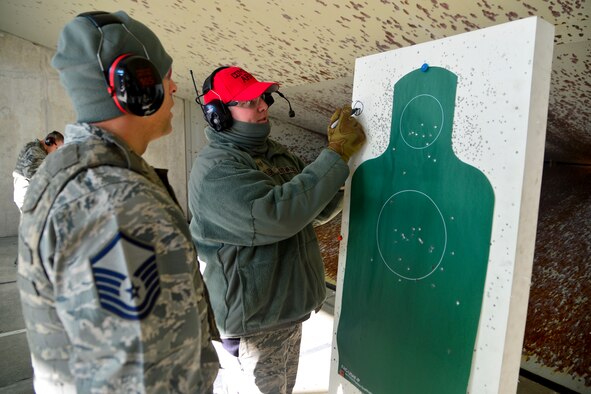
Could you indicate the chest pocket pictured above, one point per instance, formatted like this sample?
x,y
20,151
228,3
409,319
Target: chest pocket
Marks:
x,y
280,173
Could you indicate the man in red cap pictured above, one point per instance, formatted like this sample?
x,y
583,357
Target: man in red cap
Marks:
x,y
253,203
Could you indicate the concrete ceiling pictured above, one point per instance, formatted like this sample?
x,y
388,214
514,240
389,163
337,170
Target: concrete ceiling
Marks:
x,y
310,46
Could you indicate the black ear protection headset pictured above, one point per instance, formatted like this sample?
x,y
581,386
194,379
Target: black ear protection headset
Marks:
x,y
49,141
51,138
216,113
133,82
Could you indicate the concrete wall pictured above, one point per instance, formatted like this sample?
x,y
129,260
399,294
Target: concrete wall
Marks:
x,y
33,102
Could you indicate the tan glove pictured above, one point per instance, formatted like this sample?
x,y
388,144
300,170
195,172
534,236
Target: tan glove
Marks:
x,y
347,136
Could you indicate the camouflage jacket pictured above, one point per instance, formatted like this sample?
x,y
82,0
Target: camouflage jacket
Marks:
x,y
28,161
111,292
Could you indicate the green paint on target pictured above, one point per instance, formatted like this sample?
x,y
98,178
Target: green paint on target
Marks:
x,y
419,237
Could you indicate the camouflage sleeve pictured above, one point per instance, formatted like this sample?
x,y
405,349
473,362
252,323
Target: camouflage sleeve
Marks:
x,y
30,159
124,271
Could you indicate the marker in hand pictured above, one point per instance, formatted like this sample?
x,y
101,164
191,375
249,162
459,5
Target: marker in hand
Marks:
x,y
354,112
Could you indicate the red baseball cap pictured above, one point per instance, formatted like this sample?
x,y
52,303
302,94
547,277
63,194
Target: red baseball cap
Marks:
x,y
235,84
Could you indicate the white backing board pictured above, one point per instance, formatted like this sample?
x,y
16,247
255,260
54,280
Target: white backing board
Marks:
x,y
499,127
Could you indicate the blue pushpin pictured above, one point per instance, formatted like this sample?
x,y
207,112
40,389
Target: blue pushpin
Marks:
x,y
424,67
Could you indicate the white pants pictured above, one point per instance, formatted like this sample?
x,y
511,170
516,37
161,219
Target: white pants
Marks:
x,y
21,184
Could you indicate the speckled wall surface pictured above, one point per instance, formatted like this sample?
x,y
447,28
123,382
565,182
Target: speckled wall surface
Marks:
x,y
306,144
558,331
311,46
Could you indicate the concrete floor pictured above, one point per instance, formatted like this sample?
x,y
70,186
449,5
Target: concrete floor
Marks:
x,y
15,365
16,373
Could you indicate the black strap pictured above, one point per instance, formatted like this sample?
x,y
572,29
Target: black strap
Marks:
x,y
208,83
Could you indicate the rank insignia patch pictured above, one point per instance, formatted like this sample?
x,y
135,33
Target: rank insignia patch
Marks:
x,y
126,277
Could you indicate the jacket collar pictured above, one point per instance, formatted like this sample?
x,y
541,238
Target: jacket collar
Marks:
x,y
251,137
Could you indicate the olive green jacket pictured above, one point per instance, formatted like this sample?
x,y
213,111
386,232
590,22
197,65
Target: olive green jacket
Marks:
x,y
253,203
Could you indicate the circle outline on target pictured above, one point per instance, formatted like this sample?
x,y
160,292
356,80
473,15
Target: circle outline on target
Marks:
x,y
444,235
440,126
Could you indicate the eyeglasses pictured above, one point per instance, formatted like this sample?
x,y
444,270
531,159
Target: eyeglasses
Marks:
x,y
254,103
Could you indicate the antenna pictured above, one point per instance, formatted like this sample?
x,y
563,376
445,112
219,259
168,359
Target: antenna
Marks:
x,y
198,96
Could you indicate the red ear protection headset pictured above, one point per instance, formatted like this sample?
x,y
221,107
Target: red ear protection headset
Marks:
x,y
133,81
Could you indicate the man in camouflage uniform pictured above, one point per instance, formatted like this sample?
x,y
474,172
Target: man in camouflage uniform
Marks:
x,y
28,161
111,292
253,204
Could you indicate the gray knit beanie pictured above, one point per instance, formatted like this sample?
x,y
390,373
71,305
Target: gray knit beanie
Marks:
x,y
78,66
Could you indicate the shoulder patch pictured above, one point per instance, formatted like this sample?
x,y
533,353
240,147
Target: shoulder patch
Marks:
x,y
126,277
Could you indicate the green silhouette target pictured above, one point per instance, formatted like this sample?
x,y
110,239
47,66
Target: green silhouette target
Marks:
x,y
419,236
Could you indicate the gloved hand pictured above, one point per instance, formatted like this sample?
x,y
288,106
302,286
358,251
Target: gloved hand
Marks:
x,y
347,136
